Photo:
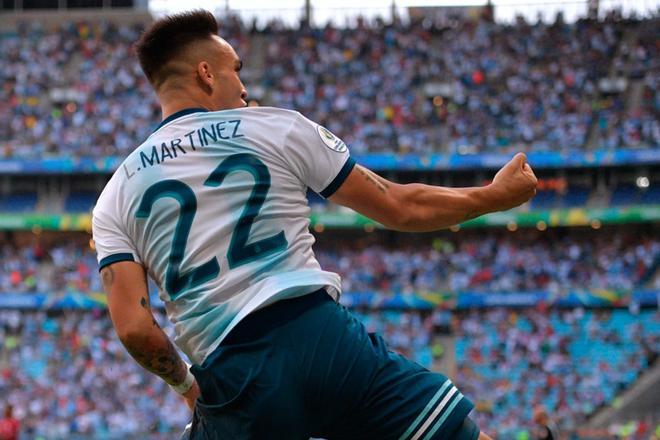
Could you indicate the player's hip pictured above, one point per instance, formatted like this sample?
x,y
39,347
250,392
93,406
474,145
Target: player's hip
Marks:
x,y
307,367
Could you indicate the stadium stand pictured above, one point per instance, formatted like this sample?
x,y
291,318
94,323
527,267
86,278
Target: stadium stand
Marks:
x,y
68,376
572,361
574,196
630,117
545,199
80,201
578,337
625,195
500,262
89,98
509,359
651,195
529,260
18,202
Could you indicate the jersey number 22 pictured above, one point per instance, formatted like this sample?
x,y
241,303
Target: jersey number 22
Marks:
x,y
239,252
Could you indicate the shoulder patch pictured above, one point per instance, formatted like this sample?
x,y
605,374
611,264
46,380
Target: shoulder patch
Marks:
x,y
330,140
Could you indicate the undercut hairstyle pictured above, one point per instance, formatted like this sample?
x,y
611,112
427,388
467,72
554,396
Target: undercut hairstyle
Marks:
x,y
166,39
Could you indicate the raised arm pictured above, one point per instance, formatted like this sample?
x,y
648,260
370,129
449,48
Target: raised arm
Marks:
x,y
125,283
420,208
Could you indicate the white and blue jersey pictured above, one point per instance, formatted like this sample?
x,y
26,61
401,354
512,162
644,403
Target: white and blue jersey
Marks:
x,y
214,205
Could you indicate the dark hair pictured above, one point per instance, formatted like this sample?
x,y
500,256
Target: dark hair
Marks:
x,y
166,37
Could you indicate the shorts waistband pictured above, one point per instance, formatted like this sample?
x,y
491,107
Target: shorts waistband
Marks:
x,y
264,320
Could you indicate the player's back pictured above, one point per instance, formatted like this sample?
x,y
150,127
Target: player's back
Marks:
x,y
214,205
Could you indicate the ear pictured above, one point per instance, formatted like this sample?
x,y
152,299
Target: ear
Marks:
x,y
205,74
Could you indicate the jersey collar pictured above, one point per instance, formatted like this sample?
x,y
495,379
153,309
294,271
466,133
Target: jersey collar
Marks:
x,y
180,113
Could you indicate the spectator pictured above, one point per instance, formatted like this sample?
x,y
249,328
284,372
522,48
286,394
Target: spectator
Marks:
x,y
9,426
506,87
555,260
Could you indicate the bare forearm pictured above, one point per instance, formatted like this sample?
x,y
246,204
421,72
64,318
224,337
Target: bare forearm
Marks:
x,y
152,349
420,208
128,302
413,207
429,208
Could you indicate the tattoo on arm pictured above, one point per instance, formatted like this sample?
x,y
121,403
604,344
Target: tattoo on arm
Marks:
x,y
374,179
144,302
160,359
155,351
107,278
158,356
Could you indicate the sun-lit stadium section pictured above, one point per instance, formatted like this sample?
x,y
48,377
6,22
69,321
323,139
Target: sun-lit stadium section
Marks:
x,y
554,303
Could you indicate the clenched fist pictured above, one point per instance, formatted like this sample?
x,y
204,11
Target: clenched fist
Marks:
x,y
514,184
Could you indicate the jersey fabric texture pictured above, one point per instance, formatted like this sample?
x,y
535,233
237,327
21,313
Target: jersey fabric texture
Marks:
x,y
214,206
338,382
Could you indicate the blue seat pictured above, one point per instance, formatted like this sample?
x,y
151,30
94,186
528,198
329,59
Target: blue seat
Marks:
x,y
651,195
544,200
576,197
80,201
18,202
587,354
625,195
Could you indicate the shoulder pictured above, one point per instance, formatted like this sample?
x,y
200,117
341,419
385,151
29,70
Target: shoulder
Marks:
x,y
107,201
278,123
258,113
264,111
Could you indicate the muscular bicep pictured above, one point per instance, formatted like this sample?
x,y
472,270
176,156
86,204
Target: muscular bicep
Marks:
x,y
125,284
413,207
371,195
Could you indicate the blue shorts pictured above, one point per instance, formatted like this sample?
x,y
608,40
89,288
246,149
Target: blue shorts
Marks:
x,y
306,367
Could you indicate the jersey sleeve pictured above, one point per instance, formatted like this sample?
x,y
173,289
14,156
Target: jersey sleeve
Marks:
x,y
318,157
111,242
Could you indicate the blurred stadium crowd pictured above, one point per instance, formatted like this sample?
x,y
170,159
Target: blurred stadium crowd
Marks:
x,y
100,390
68,376
462,87
571,361
576,195
501,262
494,262
506,88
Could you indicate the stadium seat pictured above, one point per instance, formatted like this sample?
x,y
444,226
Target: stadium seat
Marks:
x,y
575,197
651,195
625,195
80,201
18,202
544,200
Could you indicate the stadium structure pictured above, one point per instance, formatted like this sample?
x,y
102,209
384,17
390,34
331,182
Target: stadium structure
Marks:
x,y
553,304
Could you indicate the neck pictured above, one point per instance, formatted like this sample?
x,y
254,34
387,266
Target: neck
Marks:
x,y
172,102
168,109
